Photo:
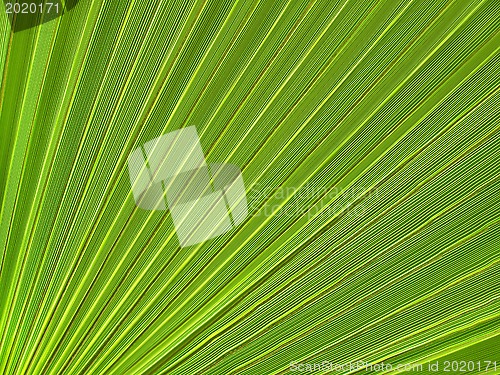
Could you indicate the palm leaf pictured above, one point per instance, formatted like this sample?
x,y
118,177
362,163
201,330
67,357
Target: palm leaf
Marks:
x,y
367,134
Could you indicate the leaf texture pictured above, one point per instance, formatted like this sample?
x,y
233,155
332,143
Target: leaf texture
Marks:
x,y
368,137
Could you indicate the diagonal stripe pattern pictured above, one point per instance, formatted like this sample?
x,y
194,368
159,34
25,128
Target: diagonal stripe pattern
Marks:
x,y
368,136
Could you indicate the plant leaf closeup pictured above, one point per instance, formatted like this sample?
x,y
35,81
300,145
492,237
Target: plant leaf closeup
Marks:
x,y
368,137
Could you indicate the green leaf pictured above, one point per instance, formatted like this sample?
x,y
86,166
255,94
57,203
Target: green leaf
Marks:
x,y
368,137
